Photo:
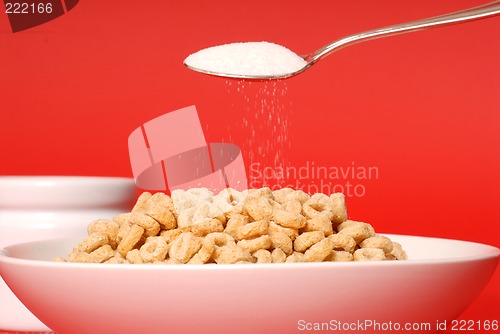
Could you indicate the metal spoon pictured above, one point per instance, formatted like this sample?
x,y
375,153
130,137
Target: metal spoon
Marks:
x,y
488,10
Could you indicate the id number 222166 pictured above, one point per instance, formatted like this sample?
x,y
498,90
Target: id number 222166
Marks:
x,y
27,8
473,325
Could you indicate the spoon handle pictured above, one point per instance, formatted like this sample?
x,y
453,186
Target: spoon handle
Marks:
x,y
471,14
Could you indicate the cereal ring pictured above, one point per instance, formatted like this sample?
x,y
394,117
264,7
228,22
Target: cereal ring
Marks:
x,y
290,232
99,255
378,241
81,257
278,256
318,205
205,252
319,251
204,227
186,217
233,254
299,195
184,199
275,205
252,230
150,225
238,197
234,223
306,240
92,242
159,208
172,261
320,197
320,223
237,209
397,252
195,260
108,227
185,246
339,256
223,200
295,257
261,192
171,235
252,245
288,219
122,218
258,208
140,204
339,208
359,231
369,254
282,241
343,242
293,205
133,236
122,231
117,260
181,200
281,194
169,204
154,249
134,257
221,239
263,256
102,254
208,210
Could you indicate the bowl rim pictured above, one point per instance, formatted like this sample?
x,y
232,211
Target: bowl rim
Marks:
x,y
59,180
490,252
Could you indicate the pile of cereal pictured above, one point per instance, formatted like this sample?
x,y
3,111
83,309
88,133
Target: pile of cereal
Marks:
x,y
254,226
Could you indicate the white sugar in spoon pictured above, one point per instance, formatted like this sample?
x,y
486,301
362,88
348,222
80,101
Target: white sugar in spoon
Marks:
x,y
263,60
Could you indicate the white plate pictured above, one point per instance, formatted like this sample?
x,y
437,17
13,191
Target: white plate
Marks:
x,y
439,281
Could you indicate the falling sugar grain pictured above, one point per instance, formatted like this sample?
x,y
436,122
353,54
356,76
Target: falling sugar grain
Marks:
x,y
265,125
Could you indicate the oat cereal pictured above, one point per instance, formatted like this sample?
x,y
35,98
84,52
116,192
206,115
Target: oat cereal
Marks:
x,y
261,226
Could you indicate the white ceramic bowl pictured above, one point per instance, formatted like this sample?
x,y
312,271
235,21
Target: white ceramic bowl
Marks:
x,y
46,207
58,192
439,281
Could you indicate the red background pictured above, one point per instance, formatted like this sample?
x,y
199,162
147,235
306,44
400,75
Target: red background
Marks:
x,y
423,107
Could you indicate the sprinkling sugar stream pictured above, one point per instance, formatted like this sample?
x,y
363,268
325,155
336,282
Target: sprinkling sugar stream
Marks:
x,y
265,124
